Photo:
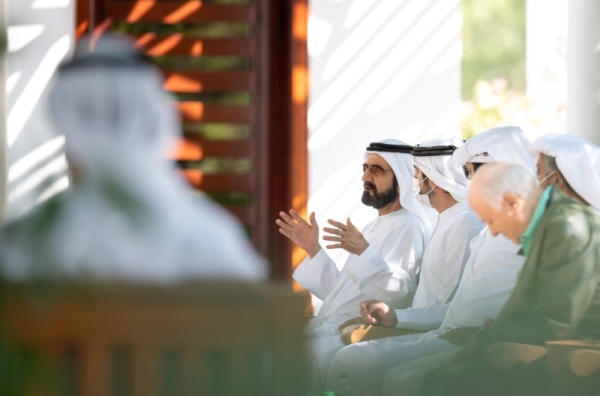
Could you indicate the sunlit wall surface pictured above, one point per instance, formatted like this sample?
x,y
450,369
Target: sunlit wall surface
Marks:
x,y
379,69
40,35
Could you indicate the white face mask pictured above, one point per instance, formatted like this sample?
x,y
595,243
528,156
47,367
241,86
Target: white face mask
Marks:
x,y
415,187
424,200
469,182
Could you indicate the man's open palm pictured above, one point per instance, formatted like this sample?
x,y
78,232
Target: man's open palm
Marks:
x,y
303,234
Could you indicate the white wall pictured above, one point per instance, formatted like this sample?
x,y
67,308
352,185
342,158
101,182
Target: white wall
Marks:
x,y
40,34
546,66
379,69
583,62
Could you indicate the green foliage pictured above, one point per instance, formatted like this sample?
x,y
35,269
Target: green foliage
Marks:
x,y
494,43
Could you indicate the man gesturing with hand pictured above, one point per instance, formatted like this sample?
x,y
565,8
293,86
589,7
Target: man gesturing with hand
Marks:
x,y
384,258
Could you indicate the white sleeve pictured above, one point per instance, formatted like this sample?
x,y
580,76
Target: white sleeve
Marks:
x,y
317,275
390,275
456,254
428,318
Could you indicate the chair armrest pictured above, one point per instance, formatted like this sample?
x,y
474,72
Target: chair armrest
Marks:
x,y
504,355
584,362
561,354
361,332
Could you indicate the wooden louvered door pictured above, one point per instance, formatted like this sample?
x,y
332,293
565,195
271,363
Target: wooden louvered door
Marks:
x,y
238,70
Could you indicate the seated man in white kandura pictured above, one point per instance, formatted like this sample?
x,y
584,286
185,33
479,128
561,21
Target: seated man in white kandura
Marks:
x,y
384,259
487,282
443,186
562,160
129,215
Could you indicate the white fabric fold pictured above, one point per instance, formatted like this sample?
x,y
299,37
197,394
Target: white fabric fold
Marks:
x,y
504,144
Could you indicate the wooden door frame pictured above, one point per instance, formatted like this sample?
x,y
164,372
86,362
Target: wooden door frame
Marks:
x,y
279,147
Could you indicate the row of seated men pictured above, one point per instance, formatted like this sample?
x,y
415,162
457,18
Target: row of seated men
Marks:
x,y
493,240
425,263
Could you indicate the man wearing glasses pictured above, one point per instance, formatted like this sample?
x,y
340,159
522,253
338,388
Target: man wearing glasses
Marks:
x,y
384,258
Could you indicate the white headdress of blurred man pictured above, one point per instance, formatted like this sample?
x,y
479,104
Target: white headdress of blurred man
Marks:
x,y
129,214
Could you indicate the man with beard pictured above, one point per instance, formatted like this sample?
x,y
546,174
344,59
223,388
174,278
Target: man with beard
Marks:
x,y
384,258
444,187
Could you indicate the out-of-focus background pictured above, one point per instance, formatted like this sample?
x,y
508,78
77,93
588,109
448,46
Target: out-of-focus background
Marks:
x,y
280,98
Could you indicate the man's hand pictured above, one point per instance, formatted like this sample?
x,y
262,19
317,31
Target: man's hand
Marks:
x,y
461,336
358,320
379,313
347,236
305,235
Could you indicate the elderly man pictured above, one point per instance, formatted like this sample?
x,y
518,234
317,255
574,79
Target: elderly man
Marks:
x,y
557,295
489,277
572,164
129,215
384,259
443,262
486,285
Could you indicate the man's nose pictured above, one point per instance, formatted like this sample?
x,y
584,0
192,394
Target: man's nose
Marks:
x,y
367,176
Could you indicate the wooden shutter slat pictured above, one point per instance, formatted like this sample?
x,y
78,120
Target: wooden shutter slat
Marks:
x,y
194,149
178,44
195,81
180,11
222,182
194,112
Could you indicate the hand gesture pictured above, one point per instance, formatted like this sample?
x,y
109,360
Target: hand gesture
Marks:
x,y
379,313
305,235
347,236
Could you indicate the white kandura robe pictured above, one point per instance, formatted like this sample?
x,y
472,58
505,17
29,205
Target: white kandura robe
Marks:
x,y
386,271
443,263
488,280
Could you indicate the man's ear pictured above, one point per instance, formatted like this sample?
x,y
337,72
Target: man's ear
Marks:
x,y
511,203
560,181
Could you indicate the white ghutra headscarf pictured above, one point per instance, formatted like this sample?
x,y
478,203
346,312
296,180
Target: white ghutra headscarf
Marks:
x,y
131,216
403,167
577,159
436,164
502,144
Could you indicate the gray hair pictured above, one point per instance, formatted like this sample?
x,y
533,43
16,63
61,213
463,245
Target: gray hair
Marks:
x,y
502,178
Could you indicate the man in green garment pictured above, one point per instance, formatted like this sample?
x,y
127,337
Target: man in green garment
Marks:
x,y
557,295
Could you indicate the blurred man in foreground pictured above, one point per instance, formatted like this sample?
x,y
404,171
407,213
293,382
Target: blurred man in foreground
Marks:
x,y
129,214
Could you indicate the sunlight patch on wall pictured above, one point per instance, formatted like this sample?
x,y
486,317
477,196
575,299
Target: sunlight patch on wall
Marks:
x,y
12,80
59,185
34,158
21,36
319,32
29,98
57,165
49,4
